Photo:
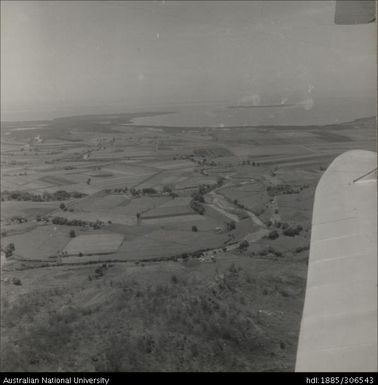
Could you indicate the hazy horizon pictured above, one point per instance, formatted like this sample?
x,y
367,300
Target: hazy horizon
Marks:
x,y
72,58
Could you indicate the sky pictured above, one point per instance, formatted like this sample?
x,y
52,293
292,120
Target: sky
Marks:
x,y
60,57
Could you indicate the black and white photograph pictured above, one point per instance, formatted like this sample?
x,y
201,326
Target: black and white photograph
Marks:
x,y
188,186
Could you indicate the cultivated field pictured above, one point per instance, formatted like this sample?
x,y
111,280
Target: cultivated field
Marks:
x,y
189,240
88,244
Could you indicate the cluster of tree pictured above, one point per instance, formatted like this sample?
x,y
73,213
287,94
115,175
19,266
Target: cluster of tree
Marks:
x,y
273,235
40,218
63,207
240,205
220,181
278,224
117,190
197,206
76,222
9,250
198,198
204,162
205,188
59,195
243,245
299,249
184,156
230,225
99,272
284,189
144,191
288,230
168,190
268,251
18,219
248,162
149,191
292,231
16,281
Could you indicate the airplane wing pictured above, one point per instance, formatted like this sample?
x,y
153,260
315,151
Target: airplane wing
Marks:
x,y
339,322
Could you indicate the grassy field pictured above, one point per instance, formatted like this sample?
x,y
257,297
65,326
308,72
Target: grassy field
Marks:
x,y
55,180
164,243
98,243
296,207
202,222
178,206
26,209
252,195
39,243
174,219
100,202
174,164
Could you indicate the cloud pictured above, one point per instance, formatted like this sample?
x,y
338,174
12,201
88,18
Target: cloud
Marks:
x,y
307,104
253,99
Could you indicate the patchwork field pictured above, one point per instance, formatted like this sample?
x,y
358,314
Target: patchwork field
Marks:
x,y
134,277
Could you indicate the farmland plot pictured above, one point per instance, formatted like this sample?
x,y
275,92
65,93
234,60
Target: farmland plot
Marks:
x,y
27,182
195,180
117,179
252,196
88,244
100,202
175,219
141,205
162,243
174,164
40,243
163,178
202,222
27,209
294,208
56,180
174,207
112,208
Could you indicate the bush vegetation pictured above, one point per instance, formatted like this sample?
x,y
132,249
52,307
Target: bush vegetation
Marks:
x,y
177,326
273,234
292,231
76,222
59,195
